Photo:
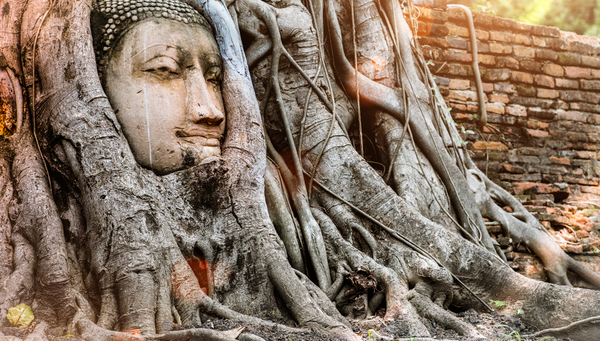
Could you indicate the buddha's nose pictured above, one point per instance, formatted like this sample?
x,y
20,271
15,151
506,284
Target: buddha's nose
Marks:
x,y
201,108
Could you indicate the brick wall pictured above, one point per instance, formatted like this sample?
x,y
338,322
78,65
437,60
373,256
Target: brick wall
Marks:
x,y
542,89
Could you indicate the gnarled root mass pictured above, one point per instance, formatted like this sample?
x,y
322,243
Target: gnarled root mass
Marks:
x,y
95,243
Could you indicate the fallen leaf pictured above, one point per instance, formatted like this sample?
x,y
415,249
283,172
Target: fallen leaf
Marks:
x,y
234,333
20,316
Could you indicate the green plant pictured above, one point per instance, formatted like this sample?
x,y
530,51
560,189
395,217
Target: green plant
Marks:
x,y
372,334
498,304
486,7
513,335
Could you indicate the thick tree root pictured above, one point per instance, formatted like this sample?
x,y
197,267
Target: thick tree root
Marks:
x,y
526,230
587,329
92,332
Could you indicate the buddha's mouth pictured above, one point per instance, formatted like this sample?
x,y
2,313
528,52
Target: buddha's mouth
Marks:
x,y
205,137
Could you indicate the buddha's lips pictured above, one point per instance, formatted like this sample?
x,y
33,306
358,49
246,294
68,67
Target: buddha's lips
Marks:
x,y
208,134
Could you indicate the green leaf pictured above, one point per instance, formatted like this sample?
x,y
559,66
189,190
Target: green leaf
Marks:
x,y
475,116
498,303
469,132
20,316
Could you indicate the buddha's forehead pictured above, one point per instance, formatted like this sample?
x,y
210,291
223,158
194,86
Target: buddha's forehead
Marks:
x,y
171,37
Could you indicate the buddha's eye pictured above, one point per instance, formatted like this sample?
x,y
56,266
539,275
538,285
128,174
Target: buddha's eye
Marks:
x,y
162,66
213,75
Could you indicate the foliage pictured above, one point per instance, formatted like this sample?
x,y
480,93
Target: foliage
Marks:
x,y
20,315
579,16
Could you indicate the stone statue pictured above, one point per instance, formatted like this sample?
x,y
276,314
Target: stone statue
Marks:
x,y
162,77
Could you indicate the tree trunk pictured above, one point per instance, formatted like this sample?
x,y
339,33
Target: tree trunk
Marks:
x,y
95,243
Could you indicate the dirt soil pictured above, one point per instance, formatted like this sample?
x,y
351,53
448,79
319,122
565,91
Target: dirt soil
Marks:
x,y
494,326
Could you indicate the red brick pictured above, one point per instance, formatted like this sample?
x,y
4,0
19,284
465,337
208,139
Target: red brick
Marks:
x,y
590,85
522,77
455,30
577,72
560,160
495,108
508,88
553,70
456,56
535,124
499,99
486,59
522,39
459,84
540,42
572,116
516,110
524,52
463,95
567,83
490,145
487,87
596,74
590,61
506,37
537,133
543,80
500,48
545,93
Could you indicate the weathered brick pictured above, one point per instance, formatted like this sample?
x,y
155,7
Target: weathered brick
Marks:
x,y
493,75
456,56
530,65
569,58
524,52
487,87
567,83
590,85
496,108
505,37
572,116
482,145
560,160
546,93
526,90
432,41
516,110
521,77
571,96
458,43
462,95
543,80
507,88
459,84
553,70
540,42
537,133
577,72
539,112
534,124
522,39
455,69
590,61
546,54
532,102
594,119
455,30
499,99
508,62
546,31
500,48
486,59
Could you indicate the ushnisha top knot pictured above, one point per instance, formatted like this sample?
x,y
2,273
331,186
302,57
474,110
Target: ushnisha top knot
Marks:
x,y
111,18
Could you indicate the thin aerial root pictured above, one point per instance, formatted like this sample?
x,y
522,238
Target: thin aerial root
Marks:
x,y
587,329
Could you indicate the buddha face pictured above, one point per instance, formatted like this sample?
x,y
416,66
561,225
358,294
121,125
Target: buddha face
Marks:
x,y
163,81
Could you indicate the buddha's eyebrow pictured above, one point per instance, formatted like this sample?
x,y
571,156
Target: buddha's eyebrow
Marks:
x,y
165,46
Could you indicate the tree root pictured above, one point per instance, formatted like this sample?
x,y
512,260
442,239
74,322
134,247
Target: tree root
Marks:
x,y
587,329
527,230
428,309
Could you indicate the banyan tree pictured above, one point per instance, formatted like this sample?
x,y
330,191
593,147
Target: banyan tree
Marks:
x,y
164,160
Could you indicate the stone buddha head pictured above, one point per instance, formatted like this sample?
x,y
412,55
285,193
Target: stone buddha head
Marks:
x,y
161,70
